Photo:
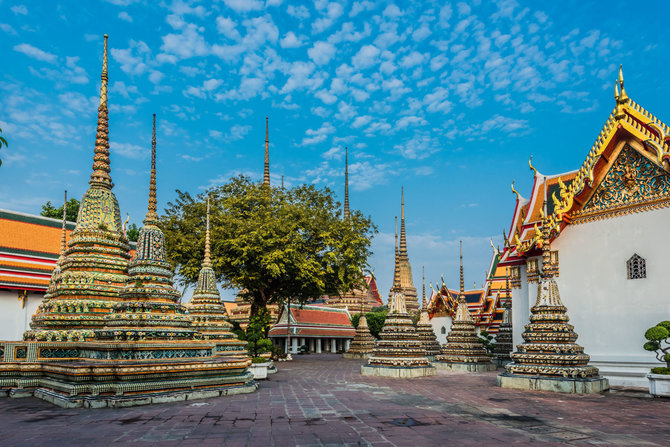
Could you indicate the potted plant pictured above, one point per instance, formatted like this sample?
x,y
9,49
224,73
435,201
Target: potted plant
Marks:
x,y
658,341
258,344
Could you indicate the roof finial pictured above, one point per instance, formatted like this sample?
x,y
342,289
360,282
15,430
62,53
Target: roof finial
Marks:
x,y
152,216
623,90
515,191
266,170
100,176
508,291
63,231
403,236
207,261
346,183
532,168
462,283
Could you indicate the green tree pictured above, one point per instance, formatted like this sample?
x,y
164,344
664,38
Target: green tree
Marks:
x,y
271,243
48,210
487,341
132,232
2,142
256,334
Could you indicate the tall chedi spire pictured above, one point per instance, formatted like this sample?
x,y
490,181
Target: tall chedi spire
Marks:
x,y
504,344
423,326
346,184
549,354
149,298
399,352
56,273
94,269
266,168
402,259
206,310
464,350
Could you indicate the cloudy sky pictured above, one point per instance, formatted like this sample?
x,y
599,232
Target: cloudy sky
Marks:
x,y
448,99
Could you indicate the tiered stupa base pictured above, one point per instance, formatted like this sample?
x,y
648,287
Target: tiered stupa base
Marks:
x,y
398,353
464,351
120,374
503,346
363,343
427,336
465,367
592,385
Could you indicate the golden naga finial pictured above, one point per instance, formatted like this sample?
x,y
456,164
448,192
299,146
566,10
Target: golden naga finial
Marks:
x,y
538,233
532,168
492,246
616,91
620,98
125,223
517,241
515,191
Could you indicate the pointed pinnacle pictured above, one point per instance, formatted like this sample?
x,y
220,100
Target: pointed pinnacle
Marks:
x,y
63,230
346,184
266,169
152,216
462,282
207,262
403,235
100,175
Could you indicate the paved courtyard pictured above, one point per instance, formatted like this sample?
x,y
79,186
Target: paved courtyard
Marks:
x,y
323,400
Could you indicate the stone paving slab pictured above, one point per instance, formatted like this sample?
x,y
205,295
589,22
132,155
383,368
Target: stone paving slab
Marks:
x,y
322,400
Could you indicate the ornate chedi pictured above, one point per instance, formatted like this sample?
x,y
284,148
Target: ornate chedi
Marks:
x,y
56,273
399,352
140,347
550,359
363,343
402,260
504,345
206,311
464,350
425,329
94,270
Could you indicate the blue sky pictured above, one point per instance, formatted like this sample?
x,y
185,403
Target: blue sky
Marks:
x,y
448,99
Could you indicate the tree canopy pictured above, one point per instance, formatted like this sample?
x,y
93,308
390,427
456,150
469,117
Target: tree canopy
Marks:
x,y
271,243
48,210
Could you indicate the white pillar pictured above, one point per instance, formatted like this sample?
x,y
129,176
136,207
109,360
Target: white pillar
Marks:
x,y
311,345
294,345
346,344
333,345
318,346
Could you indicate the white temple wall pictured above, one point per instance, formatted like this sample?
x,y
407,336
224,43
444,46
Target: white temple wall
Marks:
x,y
438,323
610,312
14,318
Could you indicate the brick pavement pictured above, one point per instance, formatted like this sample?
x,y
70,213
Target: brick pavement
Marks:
x,y
322,400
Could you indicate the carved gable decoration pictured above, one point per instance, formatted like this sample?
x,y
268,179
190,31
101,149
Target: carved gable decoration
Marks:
x,y
633,183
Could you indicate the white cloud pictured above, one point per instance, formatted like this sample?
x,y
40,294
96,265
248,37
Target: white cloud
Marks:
x,y
19,10
314,136
299,12
290,41
7,28
35,53
227,27
412,59
187,44
392,11
321,53
366,57
129,150
244,5
332,12
123,15
418,147
361,121
237,132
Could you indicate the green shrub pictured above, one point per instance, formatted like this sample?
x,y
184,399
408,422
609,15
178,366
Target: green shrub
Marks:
x,y
660,370
259,360
257,343
376,321
355,318
657,336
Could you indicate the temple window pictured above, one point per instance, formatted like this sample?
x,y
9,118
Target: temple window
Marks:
x,y
443,330
637,267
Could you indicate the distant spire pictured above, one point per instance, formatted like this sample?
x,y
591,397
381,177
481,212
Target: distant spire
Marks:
x,y
266,171
396,263
63,231
152,216
403,236
100,175
346,184
282,182
423,280
462,283
207,262
508,291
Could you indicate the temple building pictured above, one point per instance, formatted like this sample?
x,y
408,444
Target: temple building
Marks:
x,y
317,328
111,331
406,282
485,305
605,218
